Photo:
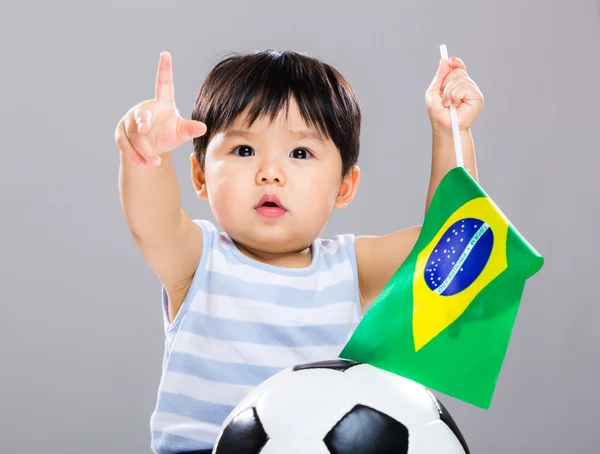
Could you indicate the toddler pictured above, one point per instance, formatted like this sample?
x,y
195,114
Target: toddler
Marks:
x,y
275,146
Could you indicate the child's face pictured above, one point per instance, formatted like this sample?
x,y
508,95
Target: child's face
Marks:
x,y
272,159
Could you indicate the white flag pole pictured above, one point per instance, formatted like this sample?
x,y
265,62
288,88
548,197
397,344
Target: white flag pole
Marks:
x,y
454,120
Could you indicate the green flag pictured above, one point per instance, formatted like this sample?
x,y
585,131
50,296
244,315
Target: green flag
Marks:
x,y
446,316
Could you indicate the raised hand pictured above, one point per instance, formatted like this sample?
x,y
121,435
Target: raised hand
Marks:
x,y
452,85
154,126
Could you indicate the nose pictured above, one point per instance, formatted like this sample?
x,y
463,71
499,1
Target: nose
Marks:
x,y
270,173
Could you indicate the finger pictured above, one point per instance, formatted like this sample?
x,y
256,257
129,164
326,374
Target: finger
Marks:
x,y
165,91
468,94
143,118
442,72
464,93
447,92
456,63
126,147
453,75
189,129
451,86
139,141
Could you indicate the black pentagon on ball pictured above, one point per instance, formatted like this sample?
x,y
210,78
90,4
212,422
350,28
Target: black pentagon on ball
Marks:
x,y
367,431
243,435
449,421
334,364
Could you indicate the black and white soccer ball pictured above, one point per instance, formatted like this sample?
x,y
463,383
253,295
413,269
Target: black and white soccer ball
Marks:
x,y
339,407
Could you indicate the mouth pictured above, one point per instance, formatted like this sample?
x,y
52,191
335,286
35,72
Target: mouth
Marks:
x,y
270,200
270,206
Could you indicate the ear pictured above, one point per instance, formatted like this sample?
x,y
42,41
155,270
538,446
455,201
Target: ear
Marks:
x,y
198,178
348,188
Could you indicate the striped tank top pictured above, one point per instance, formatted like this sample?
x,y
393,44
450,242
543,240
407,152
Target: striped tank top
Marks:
x,y
241,322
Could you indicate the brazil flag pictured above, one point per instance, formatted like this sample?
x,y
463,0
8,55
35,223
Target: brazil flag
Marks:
x,y
445,318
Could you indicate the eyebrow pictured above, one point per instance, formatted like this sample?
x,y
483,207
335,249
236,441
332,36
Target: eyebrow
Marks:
x,y
301,134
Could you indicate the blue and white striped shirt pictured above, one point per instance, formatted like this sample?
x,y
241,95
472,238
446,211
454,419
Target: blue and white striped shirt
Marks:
x,y
241,322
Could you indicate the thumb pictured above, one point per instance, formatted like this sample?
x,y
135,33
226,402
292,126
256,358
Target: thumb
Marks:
x,y
442,71
189,129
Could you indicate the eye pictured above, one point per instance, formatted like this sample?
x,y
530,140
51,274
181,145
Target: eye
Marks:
x,y
300,153
244,151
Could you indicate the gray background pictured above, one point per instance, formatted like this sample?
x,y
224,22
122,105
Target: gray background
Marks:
x,y
80,325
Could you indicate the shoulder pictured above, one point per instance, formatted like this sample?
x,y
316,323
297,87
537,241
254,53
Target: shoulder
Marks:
x,y
335,243
212,237
335,249
207,227
193,257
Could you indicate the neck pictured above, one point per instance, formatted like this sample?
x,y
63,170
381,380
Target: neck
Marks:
x,y
300,258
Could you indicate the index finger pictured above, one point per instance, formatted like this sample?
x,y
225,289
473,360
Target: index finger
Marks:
x,y
165,91
456,62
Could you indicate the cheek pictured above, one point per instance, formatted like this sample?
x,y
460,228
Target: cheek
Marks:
x,y
319,196
219,178
225,189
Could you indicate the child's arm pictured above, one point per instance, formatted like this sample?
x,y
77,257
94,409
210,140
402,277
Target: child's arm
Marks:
x,y
169,241
378,258
443,158
451,84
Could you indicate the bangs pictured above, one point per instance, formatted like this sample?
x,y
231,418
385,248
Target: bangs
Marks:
x,y
262,84
266,96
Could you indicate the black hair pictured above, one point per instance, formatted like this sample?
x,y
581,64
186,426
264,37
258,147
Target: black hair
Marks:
x,y
262,83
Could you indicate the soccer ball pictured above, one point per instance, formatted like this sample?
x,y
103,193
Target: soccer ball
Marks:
x,y
339,407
